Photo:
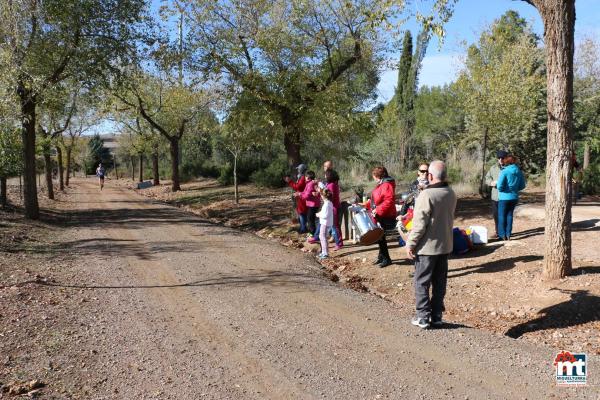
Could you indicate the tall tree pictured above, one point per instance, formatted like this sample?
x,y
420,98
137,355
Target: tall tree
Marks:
x,y
502,91
408,77
558,17
10,160
587,97
169,108
54,119
307,62
47,41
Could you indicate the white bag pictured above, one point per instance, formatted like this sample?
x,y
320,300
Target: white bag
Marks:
x,y
479,234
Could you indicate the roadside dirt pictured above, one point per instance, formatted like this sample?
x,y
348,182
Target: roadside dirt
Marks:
x,y
495,287
114,296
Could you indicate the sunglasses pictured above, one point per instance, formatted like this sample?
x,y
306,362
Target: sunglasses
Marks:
x,y
423,172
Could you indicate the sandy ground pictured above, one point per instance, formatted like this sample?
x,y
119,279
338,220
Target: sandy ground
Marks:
x,y
114,296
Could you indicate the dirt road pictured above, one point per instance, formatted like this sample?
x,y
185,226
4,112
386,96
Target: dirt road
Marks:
x,y
189,310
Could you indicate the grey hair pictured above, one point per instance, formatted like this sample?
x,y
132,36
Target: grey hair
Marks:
x,y
437,169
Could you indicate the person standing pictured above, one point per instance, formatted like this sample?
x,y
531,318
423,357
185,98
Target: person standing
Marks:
x,y
332,184
311,196
510,183
100,173
298,186
421,182
382,204
325,222
429,244
490,180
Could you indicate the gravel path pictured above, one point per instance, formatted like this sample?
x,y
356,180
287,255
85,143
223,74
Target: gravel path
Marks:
x,y
190,310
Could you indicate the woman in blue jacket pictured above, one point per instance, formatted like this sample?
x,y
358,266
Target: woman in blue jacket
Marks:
x,y
510,183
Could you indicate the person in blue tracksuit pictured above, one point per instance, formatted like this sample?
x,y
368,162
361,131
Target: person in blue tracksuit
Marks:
x,y
510,182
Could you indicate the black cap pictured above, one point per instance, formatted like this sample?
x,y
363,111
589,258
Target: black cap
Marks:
x,y
501,154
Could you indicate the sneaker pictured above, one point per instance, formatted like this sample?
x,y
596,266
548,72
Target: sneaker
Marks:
x,y
384,263
378,261
401,242
436,320
322,256
312,240
422,323
338,247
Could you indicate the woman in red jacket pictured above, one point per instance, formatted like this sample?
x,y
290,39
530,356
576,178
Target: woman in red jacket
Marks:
x,y
383,206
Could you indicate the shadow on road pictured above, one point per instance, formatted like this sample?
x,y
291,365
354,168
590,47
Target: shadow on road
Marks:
x,y
271,278
581,308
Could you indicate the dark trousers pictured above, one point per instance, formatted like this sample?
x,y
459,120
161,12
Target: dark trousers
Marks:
x,y
495,214
388,224
430,271
311,219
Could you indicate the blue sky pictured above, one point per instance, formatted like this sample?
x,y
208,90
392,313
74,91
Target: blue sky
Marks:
x,y
470,17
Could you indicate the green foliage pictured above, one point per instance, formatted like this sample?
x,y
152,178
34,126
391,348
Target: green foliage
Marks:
x,y
97,153
590,183
439,123
587,93
272,175
502,91
311,65
10,152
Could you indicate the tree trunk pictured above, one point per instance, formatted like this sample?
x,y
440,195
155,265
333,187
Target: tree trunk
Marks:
x,y
61,171
559,26
586,156
291,142
30,199
235,180
482,192
141,179
155,169
3,195
68,166
48,172
132,168
115,167
291,139
174,142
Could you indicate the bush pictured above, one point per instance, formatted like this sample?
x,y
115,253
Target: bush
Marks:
x,y
455,174
272,175
590,183
196,168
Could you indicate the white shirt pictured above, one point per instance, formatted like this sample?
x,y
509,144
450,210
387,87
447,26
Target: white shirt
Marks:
x,y
326,214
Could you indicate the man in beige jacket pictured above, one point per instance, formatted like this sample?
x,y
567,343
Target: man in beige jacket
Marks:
x,y
429,244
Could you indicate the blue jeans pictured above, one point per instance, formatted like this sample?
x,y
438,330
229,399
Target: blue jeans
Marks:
x,y
505,217
302,220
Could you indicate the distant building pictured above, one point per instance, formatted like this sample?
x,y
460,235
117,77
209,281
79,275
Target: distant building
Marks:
x,y
110,142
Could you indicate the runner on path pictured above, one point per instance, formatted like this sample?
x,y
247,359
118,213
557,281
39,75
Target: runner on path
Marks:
x,y
100,172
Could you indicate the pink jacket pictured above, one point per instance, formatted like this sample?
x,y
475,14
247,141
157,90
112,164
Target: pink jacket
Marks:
x,y
334,188
308,196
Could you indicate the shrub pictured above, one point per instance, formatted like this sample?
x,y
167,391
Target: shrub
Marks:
x,y
590,183
272,175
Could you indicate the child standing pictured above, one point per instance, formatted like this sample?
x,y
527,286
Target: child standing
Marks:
x,y
325,221
312,202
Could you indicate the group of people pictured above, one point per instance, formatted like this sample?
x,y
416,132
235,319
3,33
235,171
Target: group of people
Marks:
x,y
506,181
318,205
429,242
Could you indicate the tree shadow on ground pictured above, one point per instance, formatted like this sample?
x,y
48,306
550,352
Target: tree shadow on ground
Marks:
x,y
270,278
492,267
581,308
587,225
588,269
